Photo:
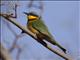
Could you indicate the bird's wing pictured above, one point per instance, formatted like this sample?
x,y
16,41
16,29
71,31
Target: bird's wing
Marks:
x,y
41,27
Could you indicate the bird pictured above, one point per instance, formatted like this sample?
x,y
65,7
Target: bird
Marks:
x,y
37,26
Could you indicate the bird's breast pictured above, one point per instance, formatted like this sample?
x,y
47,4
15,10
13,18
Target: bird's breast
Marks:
x,y
33,30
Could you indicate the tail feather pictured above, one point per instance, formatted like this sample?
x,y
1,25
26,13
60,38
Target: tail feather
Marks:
x,y
63,49
52,41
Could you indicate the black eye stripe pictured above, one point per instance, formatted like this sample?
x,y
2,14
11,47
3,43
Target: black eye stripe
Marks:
x,y
33,14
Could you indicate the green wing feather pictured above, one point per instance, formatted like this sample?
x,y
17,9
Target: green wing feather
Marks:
x,y
41,27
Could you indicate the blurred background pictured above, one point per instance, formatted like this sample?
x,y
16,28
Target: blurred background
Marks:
x,y
62,19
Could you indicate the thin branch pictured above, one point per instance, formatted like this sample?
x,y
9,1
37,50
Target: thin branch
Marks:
x,y
40,6
6,16
30,3
18,53
15,10
63,55
14,44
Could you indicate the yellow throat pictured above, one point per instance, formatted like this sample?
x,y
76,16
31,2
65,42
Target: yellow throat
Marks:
x,y
31,17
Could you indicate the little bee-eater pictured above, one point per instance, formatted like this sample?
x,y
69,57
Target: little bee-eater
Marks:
x,y
37,26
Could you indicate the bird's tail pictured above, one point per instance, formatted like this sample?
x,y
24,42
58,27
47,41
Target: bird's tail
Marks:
x,y
63,49
52,41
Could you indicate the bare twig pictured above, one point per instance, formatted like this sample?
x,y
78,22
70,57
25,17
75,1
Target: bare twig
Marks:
x,y
30,4
18,53
63,55
40,6
15,10
14,44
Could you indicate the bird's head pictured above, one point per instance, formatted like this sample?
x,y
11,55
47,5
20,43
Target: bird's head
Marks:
x,y
31,16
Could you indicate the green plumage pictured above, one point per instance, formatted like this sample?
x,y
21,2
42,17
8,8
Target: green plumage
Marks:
x,y
41,27
42,30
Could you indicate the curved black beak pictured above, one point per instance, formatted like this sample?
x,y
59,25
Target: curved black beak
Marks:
x,y
26,13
